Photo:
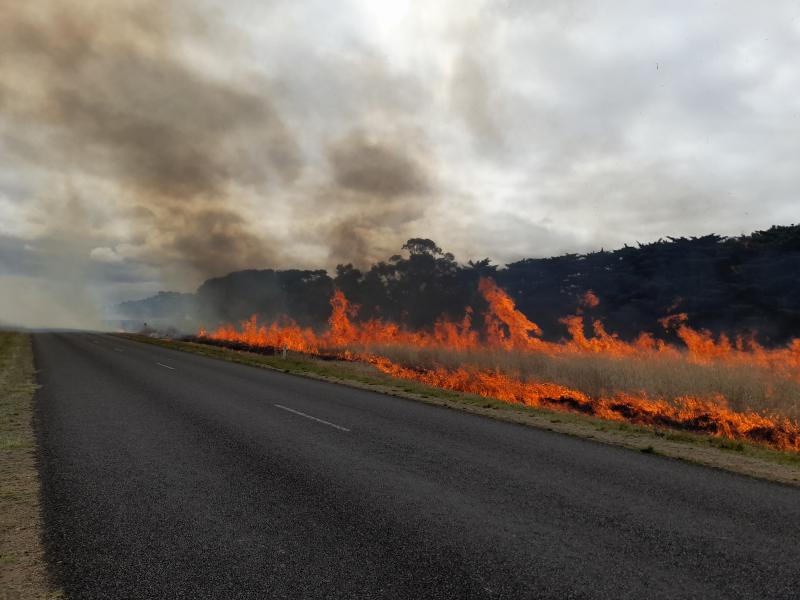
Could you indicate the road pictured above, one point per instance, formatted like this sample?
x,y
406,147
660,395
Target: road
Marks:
x,y
169,475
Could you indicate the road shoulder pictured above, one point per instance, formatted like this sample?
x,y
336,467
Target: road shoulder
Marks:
x,y
23,572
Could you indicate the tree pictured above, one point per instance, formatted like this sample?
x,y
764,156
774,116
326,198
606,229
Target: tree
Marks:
x,y
418,246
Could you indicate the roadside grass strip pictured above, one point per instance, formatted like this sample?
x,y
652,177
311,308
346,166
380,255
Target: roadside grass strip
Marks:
x,y
23,572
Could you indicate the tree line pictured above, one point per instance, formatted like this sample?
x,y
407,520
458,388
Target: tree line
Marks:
x,y
748,283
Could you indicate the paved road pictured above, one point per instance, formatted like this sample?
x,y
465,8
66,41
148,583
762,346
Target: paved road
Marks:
x,y
167,475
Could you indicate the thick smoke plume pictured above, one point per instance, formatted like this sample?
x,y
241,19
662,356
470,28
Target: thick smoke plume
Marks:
x,y
174,153
104,90
379,187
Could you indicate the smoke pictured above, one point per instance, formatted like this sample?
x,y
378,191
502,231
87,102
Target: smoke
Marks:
x,y
214,237
374,169
380,187
152,144
152,149
105,92
475,99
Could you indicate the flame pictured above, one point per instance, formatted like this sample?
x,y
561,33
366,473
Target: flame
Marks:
x,y
503,312
283,334
707,415
507,329
590,300
702,348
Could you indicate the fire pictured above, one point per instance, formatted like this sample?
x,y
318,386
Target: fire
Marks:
x,y
707,415
590,300
508,329
342,331
502,311
285,334
703,349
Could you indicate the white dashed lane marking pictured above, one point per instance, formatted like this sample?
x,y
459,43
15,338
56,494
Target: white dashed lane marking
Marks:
x,y
302,414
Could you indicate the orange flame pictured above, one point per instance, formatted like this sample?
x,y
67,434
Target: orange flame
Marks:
x,y
507,328
502,311
590,300
707,415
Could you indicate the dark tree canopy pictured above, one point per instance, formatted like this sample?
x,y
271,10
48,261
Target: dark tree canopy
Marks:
x,y
739,284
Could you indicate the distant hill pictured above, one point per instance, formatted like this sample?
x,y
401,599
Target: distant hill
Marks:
x,y
737,284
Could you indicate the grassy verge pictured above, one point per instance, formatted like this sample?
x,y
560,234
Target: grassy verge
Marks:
x,y
22,566
739,457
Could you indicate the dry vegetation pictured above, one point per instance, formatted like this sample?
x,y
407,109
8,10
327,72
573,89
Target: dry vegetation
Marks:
x,y
745,387
22,568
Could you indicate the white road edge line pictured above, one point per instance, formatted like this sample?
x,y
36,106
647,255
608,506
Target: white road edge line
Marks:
x,y
165,366
302,414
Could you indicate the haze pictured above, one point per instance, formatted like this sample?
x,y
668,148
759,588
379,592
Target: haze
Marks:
x,y
149,145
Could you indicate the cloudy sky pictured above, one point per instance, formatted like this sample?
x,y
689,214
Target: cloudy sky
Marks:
x,y
149,144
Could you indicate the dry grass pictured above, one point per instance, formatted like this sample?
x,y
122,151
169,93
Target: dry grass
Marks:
x,y
22,567
745,388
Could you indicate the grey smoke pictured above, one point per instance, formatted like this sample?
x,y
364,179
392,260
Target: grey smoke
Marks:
x,y
149,145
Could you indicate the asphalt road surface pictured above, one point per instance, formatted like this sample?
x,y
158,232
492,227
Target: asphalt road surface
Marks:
x,y
168,475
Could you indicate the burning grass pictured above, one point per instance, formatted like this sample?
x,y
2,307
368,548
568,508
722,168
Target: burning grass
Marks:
x,y
734,389
708,414
745,387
